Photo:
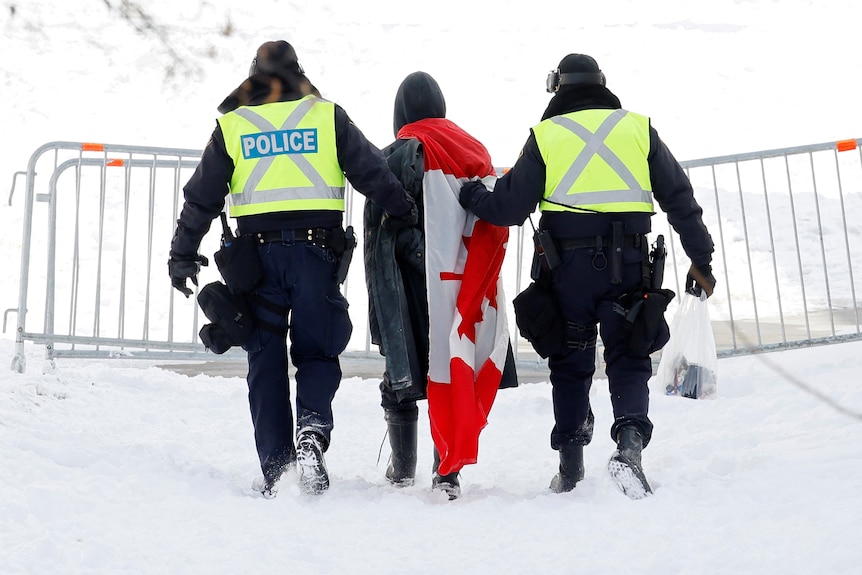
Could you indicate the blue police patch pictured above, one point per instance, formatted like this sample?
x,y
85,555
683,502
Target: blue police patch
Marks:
x,y
266,144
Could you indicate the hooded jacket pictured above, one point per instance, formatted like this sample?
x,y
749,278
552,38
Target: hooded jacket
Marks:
x,y
395,260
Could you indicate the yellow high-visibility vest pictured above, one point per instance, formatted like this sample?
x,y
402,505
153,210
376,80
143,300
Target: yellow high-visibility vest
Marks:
x,y
596,160
284,157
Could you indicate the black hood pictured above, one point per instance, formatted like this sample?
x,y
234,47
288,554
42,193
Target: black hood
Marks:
x,y
419,97
576,98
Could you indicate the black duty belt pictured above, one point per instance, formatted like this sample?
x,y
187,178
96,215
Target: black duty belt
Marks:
x,y
319,237
599,242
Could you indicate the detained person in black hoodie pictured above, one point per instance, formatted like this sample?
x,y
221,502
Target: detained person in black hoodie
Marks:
x,y
594,170
395,271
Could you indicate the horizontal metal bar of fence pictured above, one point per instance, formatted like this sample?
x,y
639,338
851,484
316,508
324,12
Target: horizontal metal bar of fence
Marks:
x,y
840,146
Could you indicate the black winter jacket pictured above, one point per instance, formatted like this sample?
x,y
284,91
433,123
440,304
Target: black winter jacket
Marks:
x,y
395,277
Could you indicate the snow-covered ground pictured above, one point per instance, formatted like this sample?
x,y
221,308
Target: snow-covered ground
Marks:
x,y
119,466
116,467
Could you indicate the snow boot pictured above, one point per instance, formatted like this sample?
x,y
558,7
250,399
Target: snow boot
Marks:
x,y
402,439
313,476
625,464
267,484
273,470
266,487
450,484
571,468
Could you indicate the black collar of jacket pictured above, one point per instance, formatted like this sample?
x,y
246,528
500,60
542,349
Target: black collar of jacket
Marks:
x,y
576,98
265,89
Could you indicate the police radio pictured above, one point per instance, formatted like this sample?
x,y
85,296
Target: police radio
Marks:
x,y
657,258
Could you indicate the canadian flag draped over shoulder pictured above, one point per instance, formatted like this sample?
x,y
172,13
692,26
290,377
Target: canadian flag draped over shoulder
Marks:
x,y
468,334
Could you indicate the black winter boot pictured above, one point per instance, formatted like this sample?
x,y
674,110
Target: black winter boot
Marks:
x,y
402,439
625,464
313,475
449,484
571,468
267,485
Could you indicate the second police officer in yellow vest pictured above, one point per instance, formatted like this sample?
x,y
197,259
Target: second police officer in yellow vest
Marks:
x,y
593,169
280,153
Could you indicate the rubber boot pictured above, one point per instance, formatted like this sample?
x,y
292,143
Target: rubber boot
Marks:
x,y
571,468
449,484
625,464
402,439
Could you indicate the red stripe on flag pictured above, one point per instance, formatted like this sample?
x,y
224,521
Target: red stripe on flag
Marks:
x,y
459,412
450,276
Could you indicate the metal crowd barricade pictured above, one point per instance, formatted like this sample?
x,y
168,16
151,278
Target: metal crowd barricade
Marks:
x,y
788,246
785,224
103,234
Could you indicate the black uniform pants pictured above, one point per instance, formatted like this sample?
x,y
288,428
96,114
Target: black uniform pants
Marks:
x,y
586,295
299,277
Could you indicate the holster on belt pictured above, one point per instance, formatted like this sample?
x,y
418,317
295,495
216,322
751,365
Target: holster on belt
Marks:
x,y
343,250
645,328
238,261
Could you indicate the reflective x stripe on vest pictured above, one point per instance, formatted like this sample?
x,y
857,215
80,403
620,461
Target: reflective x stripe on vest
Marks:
x,y
596,160
284,157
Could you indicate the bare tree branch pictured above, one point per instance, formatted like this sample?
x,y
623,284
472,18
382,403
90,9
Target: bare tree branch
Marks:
x,y
146,25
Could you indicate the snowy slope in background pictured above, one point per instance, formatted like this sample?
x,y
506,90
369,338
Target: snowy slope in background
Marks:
x,y
729,77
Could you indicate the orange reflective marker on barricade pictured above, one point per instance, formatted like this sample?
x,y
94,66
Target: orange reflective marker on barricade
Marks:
x,y
845,145
91,147
116,162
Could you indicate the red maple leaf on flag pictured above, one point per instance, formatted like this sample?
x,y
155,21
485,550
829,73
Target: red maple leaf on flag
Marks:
x,y
485,251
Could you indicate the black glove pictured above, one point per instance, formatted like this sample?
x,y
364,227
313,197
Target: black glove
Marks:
x,y
181,267
468,190
411,218
700,278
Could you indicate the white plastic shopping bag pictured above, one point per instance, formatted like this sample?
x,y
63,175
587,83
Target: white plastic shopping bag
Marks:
x,y
688,363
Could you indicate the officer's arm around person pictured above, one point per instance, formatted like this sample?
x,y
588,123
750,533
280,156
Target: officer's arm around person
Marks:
x,y
518,192
362,163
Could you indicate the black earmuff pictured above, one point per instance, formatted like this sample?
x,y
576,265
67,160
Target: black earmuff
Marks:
x,y
556,79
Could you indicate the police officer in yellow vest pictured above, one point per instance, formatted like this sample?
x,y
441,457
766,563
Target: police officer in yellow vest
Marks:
x,y
281,153
594,169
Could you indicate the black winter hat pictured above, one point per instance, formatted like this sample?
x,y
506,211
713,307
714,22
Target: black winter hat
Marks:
x,y
275,75
419,97
276,58
584,69
578,63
